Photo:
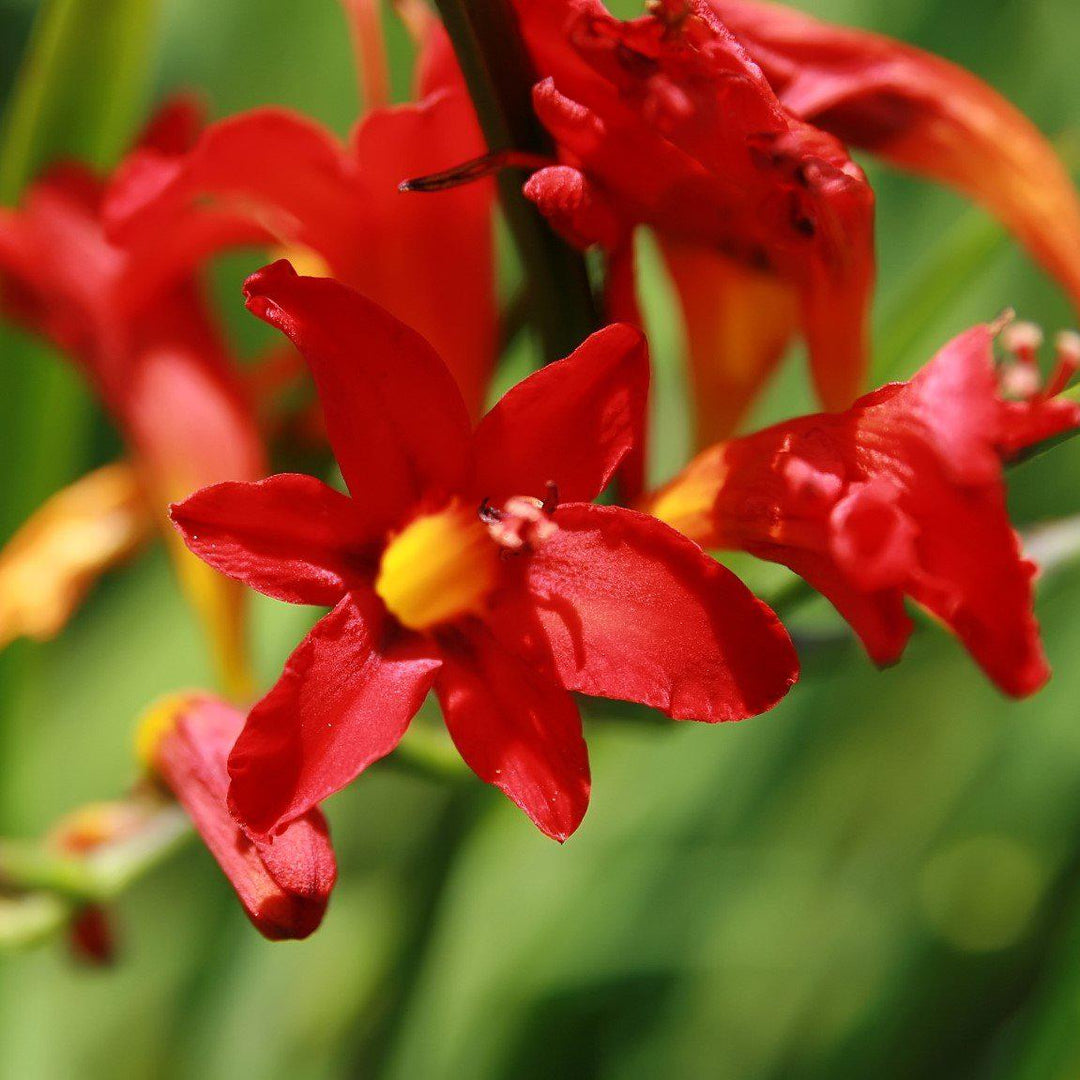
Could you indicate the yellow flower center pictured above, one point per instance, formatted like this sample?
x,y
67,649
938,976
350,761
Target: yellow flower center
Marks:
x,y
441,566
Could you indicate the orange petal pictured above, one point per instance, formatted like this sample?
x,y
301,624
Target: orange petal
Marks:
x,y
922,113
739,322
52,561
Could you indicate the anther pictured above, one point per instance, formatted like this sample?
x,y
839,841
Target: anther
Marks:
x,y
522,523
476,169
1023,340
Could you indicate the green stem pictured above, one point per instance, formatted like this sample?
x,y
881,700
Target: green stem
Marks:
x,y
100,876
499,75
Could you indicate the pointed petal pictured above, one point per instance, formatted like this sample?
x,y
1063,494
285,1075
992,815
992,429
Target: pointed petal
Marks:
x,y
396,420
922,113
289,536
516,729
344,700
53,560
570,423
284,885
400,258
634,611
739,324
238,162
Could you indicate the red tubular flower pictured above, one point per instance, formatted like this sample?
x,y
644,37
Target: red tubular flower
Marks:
x,y
452,567
337,206
902,494
921,113
131,316
696,120
284,885
670,123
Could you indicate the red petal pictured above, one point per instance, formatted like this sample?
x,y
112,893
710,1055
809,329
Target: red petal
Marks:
x,y
922,113
290,536
429,258
739,323
570,423
240,160
343,203
634,611
285,885
516,729
176,125
344,700
396,420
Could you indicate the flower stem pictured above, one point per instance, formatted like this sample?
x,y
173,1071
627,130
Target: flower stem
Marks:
x,y
499,75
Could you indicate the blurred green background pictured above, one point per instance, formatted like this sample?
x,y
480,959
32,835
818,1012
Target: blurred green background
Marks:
x,y
881,878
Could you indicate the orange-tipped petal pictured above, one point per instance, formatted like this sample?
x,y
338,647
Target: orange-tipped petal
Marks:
x,y
922,113
739,323
53,560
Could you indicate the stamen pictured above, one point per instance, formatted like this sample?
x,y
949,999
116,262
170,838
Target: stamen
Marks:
x,y
476,169
1067,344
1023,340
522,523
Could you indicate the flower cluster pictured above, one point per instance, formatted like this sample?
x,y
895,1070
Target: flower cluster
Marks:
x,y
468,555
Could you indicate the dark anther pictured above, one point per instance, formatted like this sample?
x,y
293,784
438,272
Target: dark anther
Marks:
x,y
551,497
476,169
489,514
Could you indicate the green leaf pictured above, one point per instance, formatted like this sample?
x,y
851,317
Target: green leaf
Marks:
x,y
80,86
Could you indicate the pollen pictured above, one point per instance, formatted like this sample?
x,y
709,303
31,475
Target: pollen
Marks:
x,y
440,567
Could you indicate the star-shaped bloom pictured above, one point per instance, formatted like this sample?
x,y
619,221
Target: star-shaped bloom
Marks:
x,y
472,562
900,495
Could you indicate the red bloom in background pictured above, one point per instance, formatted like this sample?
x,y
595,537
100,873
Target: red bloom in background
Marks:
x,y
454,565
900,495
922,113
696,120
285,884
132,316
337,205
666,121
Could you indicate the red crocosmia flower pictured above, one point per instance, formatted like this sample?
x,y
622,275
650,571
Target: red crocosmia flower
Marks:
x,y
695,120
335,207
472,562
666,121
285,884
901,495
132,317
918,112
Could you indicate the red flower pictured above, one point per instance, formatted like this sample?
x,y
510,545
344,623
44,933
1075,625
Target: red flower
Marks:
x,y
666,121
336,207
921,113
132,317
452,567
696,120
902,494
284,885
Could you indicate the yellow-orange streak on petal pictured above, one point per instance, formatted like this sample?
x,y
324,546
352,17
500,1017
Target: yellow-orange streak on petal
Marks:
x,y
739,323
438,568
221,606
687,502
52,561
